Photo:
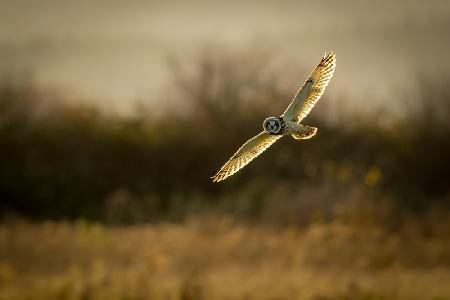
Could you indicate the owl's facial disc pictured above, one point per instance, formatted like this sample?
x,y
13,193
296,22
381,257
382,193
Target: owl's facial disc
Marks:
x,y
272,125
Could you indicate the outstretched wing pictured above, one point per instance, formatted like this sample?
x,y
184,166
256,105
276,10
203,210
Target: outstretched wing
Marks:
x,y
312,90
251,149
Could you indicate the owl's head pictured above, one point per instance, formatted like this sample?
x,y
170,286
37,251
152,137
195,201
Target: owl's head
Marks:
x,y
272,125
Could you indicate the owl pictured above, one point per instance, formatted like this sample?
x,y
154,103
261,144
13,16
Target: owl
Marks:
x,y
288,123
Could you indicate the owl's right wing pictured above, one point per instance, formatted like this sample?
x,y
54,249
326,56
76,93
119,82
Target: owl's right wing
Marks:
x,y
312,90
251,149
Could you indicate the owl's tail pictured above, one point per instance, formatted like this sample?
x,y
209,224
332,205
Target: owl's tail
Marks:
x,y
305,133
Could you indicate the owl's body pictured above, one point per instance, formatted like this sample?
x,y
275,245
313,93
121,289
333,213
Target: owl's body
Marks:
x,y
280,126
286,124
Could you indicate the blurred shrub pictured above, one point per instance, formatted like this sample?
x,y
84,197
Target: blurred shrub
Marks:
x,y
66,160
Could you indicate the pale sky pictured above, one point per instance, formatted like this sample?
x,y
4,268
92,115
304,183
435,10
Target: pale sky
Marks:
x,y
114,52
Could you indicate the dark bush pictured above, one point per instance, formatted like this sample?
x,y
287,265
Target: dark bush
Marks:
x,y
61,160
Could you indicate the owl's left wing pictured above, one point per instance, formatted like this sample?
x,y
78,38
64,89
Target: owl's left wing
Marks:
x,y
251,149
312,90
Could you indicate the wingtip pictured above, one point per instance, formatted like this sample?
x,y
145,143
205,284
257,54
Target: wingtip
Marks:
x,y
329,58
330,54
221,175
216,178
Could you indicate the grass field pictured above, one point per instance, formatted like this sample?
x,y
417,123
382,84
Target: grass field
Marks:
x,y
216,258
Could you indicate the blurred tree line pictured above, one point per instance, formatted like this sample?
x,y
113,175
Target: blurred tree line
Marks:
x,y
65,160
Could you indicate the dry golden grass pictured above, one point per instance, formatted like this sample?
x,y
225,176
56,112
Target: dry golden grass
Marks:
x,y
215,258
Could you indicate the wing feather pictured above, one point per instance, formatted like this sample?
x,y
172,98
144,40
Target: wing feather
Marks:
x,y
312,90
251,149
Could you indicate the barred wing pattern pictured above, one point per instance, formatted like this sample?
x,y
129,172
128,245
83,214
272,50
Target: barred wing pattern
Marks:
x,y
312,90
251,149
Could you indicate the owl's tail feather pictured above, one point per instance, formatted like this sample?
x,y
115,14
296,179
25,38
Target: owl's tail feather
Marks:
x,y
307,133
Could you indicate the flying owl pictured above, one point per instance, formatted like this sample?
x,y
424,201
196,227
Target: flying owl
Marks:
x,y
286,124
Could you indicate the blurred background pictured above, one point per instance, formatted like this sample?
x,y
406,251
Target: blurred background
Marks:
x,y
114,115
